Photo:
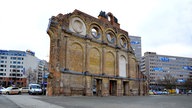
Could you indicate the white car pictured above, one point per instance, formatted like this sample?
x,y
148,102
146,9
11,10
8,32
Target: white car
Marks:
x,y
189,92
12,90
24,90
2,90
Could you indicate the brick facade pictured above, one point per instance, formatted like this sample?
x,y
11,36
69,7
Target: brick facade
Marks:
x,y
88,54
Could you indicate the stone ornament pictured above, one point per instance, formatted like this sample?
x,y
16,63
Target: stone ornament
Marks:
x,y
77,25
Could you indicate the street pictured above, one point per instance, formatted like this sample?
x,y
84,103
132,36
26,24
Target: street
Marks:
x,y
6,103
28,101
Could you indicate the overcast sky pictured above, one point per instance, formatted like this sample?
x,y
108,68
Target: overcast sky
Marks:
x,y
165,26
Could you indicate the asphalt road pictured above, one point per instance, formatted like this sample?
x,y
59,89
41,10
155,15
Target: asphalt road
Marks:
x,y
6,103
28,101
122,102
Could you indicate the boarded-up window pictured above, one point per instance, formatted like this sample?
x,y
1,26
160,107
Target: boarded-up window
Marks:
x,y
109,64
94,61
122,66
76,58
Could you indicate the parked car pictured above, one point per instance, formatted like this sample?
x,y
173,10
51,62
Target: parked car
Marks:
x,y
12,90
159,92
154,92
24,89
165,92
189,92
35,89
2,90
151,92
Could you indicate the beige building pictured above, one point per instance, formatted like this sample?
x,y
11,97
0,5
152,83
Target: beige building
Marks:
x,y
90,56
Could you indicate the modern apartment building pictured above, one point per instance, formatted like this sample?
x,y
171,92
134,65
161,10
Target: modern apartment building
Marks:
x,y
135,42
42,72
16,67
157,66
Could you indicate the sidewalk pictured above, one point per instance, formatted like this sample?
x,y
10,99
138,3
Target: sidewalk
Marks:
x,y
28,101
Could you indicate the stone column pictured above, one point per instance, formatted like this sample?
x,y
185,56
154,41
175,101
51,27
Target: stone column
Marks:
x,y
103,59
86,55
105,87
66,52
119,88
128,65
117,63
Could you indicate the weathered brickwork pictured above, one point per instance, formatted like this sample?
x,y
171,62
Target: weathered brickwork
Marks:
x,y
90,56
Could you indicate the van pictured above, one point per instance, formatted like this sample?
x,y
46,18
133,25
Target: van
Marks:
x,y
35,89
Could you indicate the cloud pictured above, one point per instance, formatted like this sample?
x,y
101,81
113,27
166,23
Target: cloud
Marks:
x,y
175,49
23,23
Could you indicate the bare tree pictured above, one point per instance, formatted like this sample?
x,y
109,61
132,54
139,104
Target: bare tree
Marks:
x,y
169,81
31,76
188,84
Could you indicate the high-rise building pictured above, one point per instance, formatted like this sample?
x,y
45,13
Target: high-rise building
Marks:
x,y
17,67
157,67
135,42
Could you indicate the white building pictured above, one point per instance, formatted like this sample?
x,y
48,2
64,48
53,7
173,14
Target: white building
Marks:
x,y
17,67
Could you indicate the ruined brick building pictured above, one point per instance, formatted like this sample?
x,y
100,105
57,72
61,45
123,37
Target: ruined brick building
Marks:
x,y
90,56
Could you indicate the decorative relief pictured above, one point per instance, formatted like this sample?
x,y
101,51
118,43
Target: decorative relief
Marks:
x,y
77,25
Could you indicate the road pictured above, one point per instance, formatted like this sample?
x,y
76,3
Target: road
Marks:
x,y
28,101
6,103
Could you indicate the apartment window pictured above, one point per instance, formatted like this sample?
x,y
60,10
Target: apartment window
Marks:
x,y
2,65
13,58
3,57
1,74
